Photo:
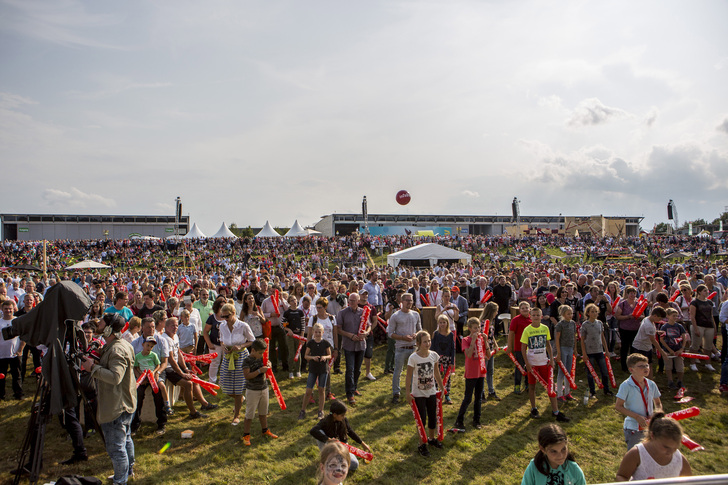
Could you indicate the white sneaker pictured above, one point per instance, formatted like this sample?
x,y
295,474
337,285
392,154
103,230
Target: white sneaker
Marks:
x,y
371,377
290,375
298,374
612,354
710,368
693,367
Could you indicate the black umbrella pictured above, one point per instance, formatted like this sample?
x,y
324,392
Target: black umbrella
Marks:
x,y
26,267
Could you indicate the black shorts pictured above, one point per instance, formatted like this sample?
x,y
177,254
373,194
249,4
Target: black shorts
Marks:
x,y
369,351
172,376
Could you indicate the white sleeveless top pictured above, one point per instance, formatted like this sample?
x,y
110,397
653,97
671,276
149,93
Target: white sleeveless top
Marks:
x,y
649,468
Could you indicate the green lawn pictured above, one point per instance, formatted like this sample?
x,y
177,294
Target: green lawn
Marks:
x,y
496,454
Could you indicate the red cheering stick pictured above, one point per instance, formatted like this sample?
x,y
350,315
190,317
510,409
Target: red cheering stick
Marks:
x,y
486,296
712,295
138,381
542,382
639,309
593,373
572,384
552,384
440,420
675,295
38,369
152,381
688,355
194,368
126,327
272,379
684,413
357,452
573,368
364,319
515,362
612,380
276,301
480,348
448,373
690,444
382,323
418,422
298,352
616,302
425,299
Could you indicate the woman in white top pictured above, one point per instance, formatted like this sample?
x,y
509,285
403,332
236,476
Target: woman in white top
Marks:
x,y
235,336
658,456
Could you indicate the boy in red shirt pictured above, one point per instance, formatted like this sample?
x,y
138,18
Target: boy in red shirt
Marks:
x,y
474,378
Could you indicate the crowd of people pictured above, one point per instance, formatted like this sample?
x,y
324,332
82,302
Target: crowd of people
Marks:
x,y
319,305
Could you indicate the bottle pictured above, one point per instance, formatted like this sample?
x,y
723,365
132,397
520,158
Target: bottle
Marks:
x,y
586,397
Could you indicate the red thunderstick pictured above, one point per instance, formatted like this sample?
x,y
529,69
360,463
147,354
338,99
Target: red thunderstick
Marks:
x,y
272,379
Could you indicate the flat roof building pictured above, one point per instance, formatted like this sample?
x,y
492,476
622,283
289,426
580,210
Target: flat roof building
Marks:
x,y
35,227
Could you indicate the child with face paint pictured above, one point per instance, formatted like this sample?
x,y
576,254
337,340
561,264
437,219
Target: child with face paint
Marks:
x,y
333,464
658,456
553,462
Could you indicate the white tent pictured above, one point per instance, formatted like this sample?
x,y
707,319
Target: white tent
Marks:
x,y
268,231
296,230
430,252
194,232
224,232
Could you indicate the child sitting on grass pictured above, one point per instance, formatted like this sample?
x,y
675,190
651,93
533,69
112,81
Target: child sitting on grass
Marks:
x,y
335,427
553,462
256,390
637,399
318,355
423,364
536,351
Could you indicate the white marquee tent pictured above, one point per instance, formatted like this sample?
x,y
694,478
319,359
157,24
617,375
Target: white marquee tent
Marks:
x,y
431,252
268,231
224,232
194,232
296,230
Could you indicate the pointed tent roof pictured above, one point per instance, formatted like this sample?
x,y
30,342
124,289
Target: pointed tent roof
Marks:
x,y
430,251
224,232
296,230
194,232
268,231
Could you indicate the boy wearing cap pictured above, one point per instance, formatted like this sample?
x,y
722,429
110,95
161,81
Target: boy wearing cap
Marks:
x,y
148,360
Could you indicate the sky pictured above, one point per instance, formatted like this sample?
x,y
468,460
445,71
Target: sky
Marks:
x,y
285,110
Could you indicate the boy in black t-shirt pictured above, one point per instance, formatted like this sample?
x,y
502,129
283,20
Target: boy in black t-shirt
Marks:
x,y
293,322
318,354
256,390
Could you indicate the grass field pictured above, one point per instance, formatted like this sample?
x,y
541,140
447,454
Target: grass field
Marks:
x,y
496,454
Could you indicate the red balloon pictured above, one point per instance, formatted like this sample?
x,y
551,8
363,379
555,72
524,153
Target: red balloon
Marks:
x,y
403,197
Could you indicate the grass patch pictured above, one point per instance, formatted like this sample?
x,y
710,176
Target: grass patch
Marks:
x,y
497,454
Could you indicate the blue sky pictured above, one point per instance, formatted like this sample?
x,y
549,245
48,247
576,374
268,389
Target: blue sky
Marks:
x,y
283,110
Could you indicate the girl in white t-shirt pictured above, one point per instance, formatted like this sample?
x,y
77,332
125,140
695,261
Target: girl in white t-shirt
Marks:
x,y
422,374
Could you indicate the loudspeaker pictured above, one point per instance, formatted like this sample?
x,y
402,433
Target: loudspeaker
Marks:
x,y
669,211
514,208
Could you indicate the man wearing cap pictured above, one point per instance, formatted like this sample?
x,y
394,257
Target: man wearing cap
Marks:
x,y
462,305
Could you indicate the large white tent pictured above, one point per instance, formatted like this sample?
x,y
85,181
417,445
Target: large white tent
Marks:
x,y
224,232
296,230
430,252
268,231
194,232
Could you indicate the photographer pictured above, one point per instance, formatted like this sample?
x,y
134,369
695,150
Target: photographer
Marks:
x,y
114,374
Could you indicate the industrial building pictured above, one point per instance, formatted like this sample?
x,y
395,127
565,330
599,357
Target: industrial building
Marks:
x,y
443,225
35,227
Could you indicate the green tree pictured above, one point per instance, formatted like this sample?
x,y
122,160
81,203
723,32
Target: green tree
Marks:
x,y
662,228
723,217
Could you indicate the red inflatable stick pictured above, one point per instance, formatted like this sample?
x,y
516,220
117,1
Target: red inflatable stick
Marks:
x,y
593,373
364,320
276,300
688,355
139,380
640,308
572,384
301,342
204,358
440,420
486,296
675,295
272,378
425,299
194,368
480,348
382,322
616,302
38,370
515,362
357,452
448,373
552,384
152,381
542,382
684,413
418,422
612,380
126,327
573,368
690,444
712,295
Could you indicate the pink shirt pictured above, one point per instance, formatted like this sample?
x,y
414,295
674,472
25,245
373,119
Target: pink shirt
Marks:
x,y
472,366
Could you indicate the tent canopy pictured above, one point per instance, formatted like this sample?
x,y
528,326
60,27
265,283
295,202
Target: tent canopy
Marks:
x,y
431,253
296,230
194,232
224,232
268,231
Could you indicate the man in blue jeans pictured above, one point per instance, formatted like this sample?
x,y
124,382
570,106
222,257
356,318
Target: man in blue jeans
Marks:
x,y
114,374
402,327
353,343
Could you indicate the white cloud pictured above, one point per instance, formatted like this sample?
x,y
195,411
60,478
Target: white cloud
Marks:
x,y
723,126
471,193
76,199
593,112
